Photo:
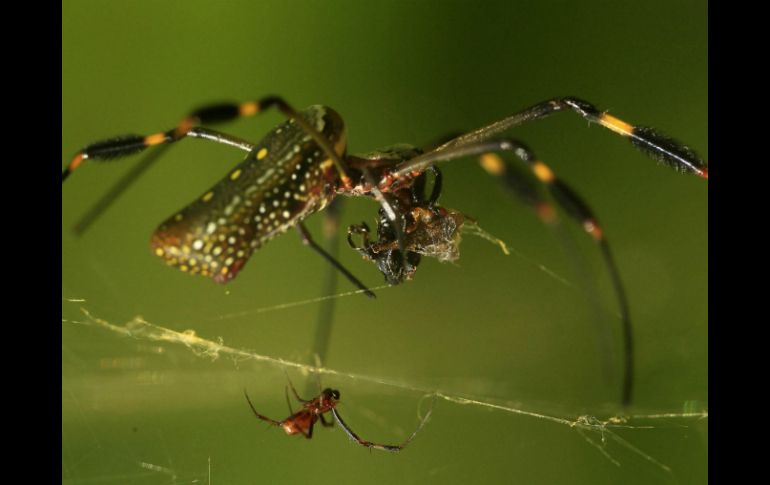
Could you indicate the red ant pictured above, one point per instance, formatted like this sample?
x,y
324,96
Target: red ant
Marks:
x,y
313,410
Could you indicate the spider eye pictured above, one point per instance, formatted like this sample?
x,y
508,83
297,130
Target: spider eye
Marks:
x,y
329,392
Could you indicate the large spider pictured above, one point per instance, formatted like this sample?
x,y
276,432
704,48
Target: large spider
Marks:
x,y
302,165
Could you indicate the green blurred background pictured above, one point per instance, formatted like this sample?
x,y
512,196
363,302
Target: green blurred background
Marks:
x,y
492,327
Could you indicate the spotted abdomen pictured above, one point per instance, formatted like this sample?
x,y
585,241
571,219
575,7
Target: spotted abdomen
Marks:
x,y
285,178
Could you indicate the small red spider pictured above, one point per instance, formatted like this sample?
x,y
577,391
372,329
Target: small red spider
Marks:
x,y
303,421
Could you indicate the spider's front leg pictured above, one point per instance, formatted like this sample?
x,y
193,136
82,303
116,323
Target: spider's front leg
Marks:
x,y
650,141
126,145
377,446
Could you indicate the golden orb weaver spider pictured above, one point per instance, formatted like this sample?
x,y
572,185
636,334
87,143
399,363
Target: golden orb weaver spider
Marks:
x,y
299,167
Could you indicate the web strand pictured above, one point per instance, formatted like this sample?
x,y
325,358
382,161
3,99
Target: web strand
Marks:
x,y
139,328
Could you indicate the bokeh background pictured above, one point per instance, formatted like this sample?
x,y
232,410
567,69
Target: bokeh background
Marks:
x,y
492,327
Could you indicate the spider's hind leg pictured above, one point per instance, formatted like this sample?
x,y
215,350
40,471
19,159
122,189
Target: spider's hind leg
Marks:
x,y
565,197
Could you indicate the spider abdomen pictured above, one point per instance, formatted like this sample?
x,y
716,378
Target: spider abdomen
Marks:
x,y
298,423
285,178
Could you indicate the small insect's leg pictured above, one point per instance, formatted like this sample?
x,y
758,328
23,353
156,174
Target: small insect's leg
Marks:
x,y
304,235
655,145
386,204
418,187
391,212
567,199
263,418
309,433
362,230
437,185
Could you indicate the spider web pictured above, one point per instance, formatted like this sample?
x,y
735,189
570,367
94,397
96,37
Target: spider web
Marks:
x,y
612,436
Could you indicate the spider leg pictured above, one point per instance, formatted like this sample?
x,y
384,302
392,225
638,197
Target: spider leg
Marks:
x,y
323,329
129,178
294,391
263,418
655,145
418,188
307,240
284,107
390,211
309,433
128,145
368,444
324,422
566,198
215,113
530,193
281,105
123,146
288,401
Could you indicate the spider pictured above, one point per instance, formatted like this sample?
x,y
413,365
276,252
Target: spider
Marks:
x,y
313,410
300,166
